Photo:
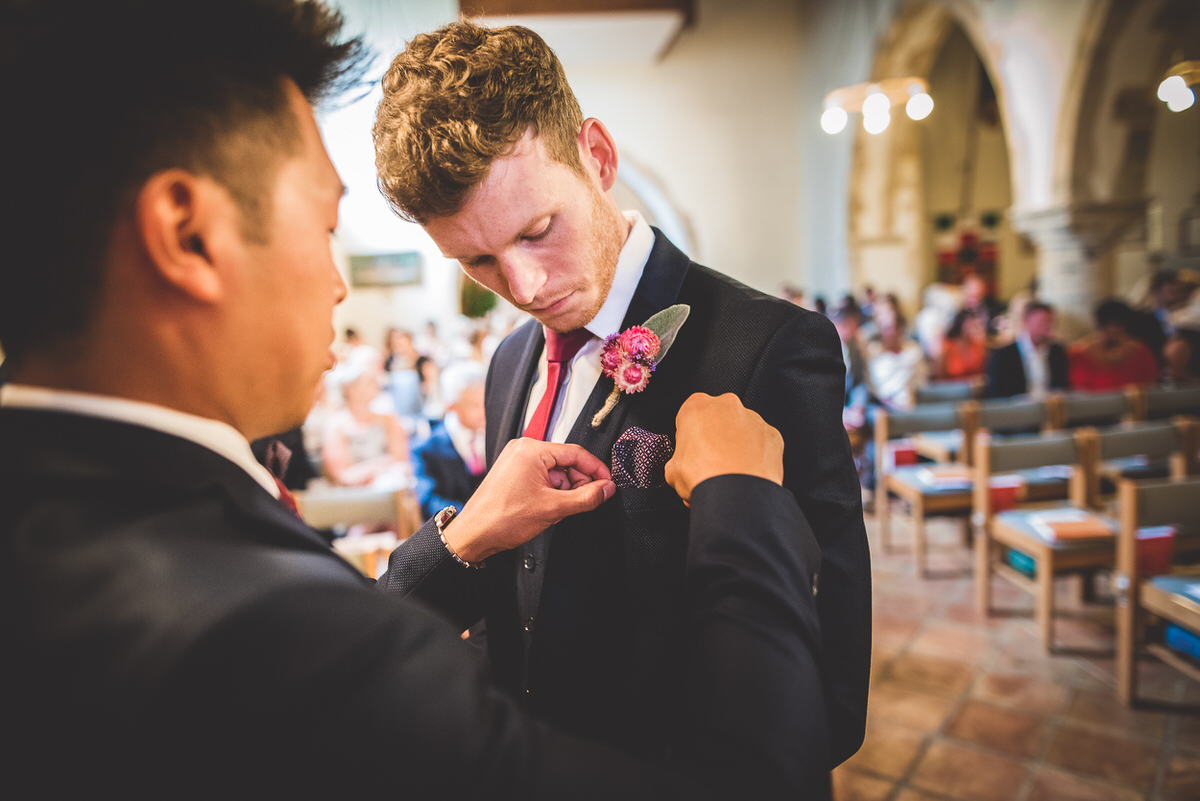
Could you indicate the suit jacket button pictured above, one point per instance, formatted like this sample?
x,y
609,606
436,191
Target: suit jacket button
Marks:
x,y
530,562
529,624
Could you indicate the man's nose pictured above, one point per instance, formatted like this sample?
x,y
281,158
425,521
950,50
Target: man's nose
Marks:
x,y
524,276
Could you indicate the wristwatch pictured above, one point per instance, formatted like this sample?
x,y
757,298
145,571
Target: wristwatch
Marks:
x,y
441,520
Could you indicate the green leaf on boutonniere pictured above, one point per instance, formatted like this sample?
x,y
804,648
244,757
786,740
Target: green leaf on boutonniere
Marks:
x,y
632,355
666,325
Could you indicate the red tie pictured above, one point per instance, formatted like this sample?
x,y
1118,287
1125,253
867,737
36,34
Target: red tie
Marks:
x,y
287,498
560,348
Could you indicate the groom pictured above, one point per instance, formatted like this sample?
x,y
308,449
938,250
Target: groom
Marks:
x,y
480,139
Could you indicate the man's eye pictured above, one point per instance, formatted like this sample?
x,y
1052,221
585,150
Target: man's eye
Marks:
x,y
538,237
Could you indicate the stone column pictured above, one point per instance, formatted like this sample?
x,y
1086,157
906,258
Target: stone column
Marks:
x,y
1075,245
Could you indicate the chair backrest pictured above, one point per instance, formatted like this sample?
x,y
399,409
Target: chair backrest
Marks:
x,y
1093,409
943,391
930,417
1161,403
1009,454
1012,414
1156,439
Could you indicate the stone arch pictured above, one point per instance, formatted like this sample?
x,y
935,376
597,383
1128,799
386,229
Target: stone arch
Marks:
x,y
891,237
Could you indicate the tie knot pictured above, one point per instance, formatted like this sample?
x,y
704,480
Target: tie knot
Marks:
x,y
563,347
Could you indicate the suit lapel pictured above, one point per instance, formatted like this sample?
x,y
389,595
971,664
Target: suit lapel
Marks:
x,y
515,367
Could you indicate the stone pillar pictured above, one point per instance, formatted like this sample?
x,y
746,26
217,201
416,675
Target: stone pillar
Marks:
x,y
1075,246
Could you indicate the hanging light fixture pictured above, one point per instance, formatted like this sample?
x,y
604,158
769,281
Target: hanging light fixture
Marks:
x,y
874,100
1175,90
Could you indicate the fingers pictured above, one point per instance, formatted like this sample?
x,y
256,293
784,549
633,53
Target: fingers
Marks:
x,y
572,457
719,436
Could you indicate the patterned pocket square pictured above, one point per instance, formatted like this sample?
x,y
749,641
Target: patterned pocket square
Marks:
x,y
638,458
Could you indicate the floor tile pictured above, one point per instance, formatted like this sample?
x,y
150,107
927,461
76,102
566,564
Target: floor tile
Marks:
x,y
953,641
967,773
900,704
850,785
1014,734
1050,784
1115,759
1021,692
1102,710
889,749
933,675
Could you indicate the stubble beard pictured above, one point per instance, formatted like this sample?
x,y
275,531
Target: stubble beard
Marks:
x,y
608,237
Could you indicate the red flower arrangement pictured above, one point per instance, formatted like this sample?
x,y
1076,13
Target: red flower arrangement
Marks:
x,y
628,358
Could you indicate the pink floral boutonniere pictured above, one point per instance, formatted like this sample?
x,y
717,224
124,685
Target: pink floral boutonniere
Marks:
x,y
632,355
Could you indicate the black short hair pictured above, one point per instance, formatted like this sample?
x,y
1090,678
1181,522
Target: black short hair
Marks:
x,y
1113,311
1036,306
100,96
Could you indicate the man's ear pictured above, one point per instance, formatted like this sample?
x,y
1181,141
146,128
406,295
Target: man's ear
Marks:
x,y
598,151
176,214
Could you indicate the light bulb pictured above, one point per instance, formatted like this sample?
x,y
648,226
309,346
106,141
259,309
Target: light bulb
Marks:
x,y
1181,100
1170,87
919,106
876,122
876,103
833,120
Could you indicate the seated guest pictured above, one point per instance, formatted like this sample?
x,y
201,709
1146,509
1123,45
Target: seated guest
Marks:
x,y
361,446
1153,324
449,465
895,363
847,319
1109,358
977,300
964,350
1032,365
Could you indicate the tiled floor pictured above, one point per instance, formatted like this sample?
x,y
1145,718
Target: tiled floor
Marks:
x,y
966,708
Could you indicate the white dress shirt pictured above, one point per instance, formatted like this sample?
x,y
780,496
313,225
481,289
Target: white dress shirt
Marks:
x,y
584,370
469,444
219,437
1037,367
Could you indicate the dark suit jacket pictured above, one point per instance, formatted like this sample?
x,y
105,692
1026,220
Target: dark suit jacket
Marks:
x,y
1006,371
171,631
584,622
442,476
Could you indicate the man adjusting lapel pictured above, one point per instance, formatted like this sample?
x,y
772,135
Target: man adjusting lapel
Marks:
x,y
480,140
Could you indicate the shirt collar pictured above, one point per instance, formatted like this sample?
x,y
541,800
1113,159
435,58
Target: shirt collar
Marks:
x,y
219,437
630,265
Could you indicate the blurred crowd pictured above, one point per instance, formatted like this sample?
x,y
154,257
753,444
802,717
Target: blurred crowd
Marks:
x,y
962,333
406,413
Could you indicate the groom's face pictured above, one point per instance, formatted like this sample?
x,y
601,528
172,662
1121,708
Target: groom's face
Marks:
x,y
539,235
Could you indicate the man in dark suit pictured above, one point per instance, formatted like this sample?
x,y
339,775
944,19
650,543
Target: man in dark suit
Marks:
x,y
170,629
584,623
449,464
1034,363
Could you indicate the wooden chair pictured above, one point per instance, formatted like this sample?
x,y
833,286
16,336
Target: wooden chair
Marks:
x,y
996,533
1004,417
1141,451
1154,503
335,507
908,482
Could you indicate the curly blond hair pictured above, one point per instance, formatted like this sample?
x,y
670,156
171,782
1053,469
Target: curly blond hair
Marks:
x,y
457,99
